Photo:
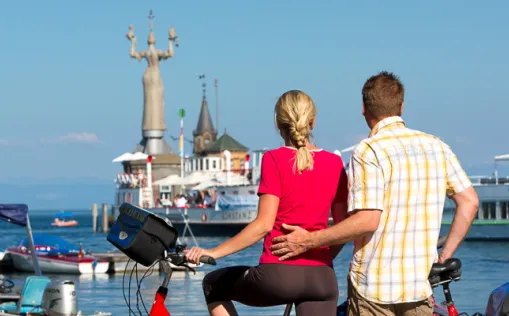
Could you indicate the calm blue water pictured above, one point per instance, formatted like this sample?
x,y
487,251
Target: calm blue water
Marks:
x,y
485,267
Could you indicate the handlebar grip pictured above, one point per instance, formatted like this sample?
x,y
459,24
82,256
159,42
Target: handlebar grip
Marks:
x,y
208,260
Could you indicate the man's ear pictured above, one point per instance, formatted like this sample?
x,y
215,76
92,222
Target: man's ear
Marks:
x,y
401,109
363,109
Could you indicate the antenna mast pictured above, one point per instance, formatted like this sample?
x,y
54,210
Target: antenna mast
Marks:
x,y
217,103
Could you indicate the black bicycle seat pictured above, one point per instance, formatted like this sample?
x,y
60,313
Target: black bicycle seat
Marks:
x,y
449,265
447,271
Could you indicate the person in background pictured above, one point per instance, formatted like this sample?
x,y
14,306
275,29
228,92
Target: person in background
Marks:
x,y
199,198
398,180
188,198
181,201
141,178
207,200
300,184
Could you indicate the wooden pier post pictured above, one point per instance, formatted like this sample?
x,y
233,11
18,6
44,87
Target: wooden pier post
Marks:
x,y
105,218
94,217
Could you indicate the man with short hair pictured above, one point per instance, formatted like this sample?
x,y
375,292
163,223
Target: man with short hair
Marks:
x,y
398,181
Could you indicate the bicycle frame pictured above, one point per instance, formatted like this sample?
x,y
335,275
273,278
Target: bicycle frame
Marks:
x,y
158,308
450,309
177,258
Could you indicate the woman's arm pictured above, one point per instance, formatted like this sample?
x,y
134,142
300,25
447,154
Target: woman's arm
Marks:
x,y
338,211
254,231
339,206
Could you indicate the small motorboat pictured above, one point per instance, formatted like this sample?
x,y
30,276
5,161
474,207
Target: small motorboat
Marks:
x,y
55,255
64,219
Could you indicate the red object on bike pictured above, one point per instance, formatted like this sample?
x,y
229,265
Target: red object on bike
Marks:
x,y
452,310
158,309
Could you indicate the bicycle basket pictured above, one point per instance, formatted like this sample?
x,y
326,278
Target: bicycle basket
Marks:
x,y
141,235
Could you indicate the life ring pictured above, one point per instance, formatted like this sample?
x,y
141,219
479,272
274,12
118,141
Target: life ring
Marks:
x,y
203,217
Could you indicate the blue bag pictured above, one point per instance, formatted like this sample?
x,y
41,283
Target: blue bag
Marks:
x,y
141,235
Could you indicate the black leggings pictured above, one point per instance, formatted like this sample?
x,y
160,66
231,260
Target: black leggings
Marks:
x,y
313,289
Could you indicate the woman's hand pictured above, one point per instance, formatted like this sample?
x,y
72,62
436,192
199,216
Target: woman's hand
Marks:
x,y
194,255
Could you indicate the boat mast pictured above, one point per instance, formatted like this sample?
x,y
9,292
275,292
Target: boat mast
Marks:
x,y
31,246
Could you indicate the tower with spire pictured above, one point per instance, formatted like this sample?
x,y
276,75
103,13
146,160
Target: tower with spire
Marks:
x,y
204,134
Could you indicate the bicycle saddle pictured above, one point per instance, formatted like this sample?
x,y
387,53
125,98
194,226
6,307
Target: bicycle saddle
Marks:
x,y
448,271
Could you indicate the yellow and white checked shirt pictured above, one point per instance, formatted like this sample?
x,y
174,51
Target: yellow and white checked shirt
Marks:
x,y
406,174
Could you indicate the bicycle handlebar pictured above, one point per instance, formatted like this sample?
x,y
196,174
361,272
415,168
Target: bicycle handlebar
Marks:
x,y
208,260
178,257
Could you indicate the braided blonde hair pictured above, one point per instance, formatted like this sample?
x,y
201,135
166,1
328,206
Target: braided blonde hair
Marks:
x,y
294,113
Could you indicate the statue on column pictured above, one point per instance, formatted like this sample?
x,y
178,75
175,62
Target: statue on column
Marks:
x,y
153,125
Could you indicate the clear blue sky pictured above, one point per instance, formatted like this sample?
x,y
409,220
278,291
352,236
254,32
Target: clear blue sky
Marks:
x,y
71,98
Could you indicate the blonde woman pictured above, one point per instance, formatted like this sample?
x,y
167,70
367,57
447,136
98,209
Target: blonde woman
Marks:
x,y
300,185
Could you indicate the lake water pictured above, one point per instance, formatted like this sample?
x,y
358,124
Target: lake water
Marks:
x,y
485,267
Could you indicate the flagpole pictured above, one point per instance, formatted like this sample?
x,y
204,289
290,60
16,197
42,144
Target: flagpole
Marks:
x,y
181,114
182,149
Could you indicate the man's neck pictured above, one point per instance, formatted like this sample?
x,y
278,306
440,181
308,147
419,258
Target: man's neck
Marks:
x,y
383,123
372,122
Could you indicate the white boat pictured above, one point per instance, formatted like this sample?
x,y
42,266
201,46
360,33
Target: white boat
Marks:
x,y
22,262
492,220
55,255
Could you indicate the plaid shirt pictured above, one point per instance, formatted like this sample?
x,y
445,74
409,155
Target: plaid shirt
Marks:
x,y
406,174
